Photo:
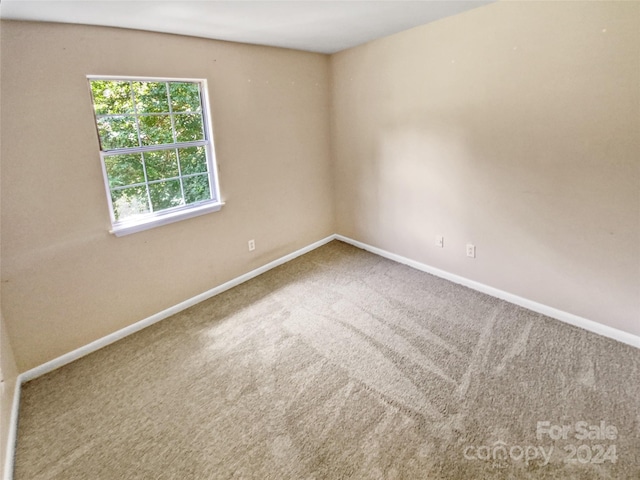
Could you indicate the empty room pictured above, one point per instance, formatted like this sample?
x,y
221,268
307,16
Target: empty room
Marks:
x,y
320,240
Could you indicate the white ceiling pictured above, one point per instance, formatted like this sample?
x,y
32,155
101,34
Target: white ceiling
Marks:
x,y
316,26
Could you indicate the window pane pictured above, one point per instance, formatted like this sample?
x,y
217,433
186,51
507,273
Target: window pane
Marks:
x,y
188,127
185,97
196,188
141,124
165,195
117,132
111,97
161,164
155,129
151,97
124,170
192,160
129,202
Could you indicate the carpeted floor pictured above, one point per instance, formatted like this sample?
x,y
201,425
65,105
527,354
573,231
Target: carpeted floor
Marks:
x,y
341,364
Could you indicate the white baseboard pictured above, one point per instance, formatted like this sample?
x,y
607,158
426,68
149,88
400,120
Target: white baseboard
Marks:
x,y
47,367
590,325
125,332
13,431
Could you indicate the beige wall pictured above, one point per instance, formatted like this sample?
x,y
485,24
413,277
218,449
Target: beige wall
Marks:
x,y
513,126
66,281
9,377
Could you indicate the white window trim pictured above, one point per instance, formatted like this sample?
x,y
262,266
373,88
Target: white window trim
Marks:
x,y
133,226
157,219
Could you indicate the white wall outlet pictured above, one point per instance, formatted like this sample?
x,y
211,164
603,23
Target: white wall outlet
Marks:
x,y
252,245
440,241
471,250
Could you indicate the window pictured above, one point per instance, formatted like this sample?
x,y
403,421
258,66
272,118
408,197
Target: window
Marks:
x,y
156,149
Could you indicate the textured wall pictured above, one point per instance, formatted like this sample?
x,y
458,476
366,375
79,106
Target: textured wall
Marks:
x,y
513,126
66,280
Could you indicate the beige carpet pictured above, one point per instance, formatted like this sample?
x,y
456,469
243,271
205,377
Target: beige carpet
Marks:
x,y
341,364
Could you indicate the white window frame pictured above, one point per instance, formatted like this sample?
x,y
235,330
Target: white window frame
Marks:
x,y
183,212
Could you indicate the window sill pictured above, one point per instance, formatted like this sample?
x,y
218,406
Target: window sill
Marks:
x,y
127,228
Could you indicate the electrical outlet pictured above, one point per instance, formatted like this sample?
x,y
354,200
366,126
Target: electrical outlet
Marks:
x,y
471,250
252,245
440,241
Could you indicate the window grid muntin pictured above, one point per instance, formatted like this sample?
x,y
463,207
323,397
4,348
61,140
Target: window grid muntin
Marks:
x,y
180,177
140,184
144,163
175,137
203,111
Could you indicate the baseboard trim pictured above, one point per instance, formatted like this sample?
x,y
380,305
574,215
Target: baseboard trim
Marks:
x,y
125,332
589,325
566,317
13,431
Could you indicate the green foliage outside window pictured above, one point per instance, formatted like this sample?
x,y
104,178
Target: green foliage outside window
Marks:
x,y
136,114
